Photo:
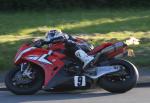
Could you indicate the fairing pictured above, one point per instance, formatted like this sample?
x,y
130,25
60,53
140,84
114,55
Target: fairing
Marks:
x,y
50,63
51,60
65,81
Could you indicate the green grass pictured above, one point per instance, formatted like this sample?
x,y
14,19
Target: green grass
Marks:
x,y
107,25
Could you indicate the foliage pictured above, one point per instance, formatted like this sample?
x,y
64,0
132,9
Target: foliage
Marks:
x,y
62,4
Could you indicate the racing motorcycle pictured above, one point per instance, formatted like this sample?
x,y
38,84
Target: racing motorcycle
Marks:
x,y
54,68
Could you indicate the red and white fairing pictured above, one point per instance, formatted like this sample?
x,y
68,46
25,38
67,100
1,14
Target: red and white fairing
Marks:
x,y
51,60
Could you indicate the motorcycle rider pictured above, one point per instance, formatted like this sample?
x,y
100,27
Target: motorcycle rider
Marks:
x,y
70,43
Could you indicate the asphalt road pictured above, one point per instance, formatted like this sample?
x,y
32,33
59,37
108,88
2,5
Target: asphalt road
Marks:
x,y
136,95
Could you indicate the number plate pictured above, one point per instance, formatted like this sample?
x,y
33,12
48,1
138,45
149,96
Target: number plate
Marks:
x,y
79,81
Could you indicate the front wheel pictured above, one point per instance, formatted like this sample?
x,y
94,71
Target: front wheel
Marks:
x,y
22,85
121,81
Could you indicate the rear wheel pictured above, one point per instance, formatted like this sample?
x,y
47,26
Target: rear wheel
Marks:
x,y
120,81
22,85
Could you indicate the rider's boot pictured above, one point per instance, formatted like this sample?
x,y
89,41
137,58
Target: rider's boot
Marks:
x,y
84,57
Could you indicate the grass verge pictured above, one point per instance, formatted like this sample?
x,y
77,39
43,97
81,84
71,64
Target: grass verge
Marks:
x,y
99,25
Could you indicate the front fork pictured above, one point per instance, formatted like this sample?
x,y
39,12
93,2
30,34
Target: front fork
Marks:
x,y
26,69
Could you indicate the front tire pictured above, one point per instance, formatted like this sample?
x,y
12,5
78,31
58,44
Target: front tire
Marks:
x,y
25,89
120,83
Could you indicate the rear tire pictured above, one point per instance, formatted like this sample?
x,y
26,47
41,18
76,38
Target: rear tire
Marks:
x,y
34,86
106,82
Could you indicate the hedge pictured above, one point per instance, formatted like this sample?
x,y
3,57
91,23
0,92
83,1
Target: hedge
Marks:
x,y
60,4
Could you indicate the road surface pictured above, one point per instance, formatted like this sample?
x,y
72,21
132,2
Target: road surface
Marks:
x,y
136,95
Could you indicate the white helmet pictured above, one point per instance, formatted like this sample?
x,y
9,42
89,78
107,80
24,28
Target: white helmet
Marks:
x,y
53,34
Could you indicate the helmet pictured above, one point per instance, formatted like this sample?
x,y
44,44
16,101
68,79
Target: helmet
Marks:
x,y
52,34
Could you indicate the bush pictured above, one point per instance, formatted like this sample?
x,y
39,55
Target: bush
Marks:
x,y
59,4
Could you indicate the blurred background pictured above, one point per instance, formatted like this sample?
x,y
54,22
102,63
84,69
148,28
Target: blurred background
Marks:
x,y
98,21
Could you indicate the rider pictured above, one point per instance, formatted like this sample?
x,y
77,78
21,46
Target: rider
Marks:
x,y
56,35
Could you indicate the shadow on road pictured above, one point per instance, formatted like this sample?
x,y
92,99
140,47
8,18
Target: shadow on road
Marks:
x,y
47,96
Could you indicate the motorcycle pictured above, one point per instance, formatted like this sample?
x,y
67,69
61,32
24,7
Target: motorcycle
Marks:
x,y
53,68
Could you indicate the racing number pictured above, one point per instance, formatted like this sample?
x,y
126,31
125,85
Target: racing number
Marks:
x,y
79,81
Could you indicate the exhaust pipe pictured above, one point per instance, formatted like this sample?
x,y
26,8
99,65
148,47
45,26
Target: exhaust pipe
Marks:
x,y
108,49
113,47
